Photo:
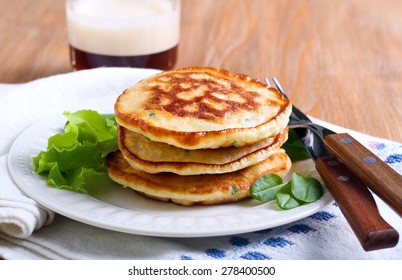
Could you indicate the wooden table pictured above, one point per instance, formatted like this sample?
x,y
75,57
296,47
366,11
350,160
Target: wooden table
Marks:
x,y
340,61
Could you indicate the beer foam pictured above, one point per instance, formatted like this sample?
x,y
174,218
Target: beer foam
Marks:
x,y
123,27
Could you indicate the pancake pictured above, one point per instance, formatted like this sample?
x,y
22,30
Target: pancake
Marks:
x,y
137,145
162,157
196,189
202,108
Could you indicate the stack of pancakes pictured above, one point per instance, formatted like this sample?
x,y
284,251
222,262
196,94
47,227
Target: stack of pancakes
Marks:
x,y
199,136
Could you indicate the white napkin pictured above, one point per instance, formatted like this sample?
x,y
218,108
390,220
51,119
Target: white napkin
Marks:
x,y
324,235
19,215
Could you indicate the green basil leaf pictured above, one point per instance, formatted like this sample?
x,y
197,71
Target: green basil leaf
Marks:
x,y
285,198
266,187
294,147
315,190
305,189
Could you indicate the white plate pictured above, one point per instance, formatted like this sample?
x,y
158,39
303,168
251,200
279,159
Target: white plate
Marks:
x,y
123,210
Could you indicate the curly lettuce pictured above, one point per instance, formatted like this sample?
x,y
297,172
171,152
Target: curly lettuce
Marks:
x,y
77,156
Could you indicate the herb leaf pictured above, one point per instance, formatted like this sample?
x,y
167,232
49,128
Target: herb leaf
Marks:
x,y
305,189
285,198
298,191
266,187
294,147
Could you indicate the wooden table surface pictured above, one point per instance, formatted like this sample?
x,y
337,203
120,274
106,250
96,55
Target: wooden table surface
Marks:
x,y
340,61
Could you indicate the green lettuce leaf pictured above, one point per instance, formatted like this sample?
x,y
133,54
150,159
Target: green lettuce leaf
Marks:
x,y
77,155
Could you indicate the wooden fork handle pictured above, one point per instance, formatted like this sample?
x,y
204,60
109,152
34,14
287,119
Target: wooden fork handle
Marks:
x,y
357,205
371,170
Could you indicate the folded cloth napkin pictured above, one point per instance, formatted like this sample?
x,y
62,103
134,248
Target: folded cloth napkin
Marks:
x,y
19,215
323,235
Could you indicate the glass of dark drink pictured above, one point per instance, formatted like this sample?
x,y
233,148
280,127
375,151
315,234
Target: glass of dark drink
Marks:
x,y
123,33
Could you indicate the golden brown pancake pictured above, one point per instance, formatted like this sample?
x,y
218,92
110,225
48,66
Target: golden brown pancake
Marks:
x,y
202,108
196,189
160,157
143,148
